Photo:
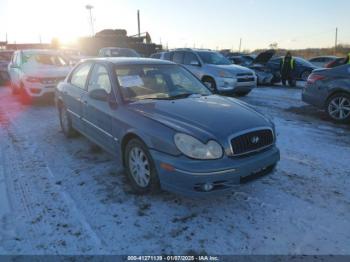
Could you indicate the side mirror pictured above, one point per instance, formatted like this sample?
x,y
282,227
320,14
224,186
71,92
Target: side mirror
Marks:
x,y
195,63
99,94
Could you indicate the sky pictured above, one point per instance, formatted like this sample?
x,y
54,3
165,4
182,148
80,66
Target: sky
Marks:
x,y
215,24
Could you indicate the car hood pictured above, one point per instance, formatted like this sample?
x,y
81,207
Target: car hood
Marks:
x,y
264,57
232,69
211,117
49,71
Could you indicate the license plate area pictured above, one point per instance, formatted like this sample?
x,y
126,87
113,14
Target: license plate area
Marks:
x,y
257,174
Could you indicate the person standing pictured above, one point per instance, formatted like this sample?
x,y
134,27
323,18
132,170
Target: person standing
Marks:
x,y
287,68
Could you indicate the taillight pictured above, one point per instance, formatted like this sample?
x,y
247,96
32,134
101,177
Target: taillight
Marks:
x,y
314,77
32,79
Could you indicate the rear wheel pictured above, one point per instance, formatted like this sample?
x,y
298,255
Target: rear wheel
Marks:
x,y
338,107
66,122
140,168
305,75
210,83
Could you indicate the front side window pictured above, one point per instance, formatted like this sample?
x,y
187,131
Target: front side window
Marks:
x,y
213,58
80,75
163,82
99,79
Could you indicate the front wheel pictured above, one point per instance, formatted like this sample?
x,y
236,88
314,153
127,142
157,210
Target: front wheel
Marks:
x,y
140,168
210,83
338,108
66,122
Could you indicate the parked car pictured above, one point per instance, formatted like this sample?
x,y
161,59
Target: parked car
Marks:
x,y
117,52
303,67
337,62
265,75
161,55
329,89
5,58
165,126
35,73
322,61
215,71
72,55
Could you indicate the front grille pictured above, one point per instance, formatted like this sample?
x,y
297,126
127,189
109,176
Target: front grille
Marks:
x,y
252,142
245,74
52,80
242,80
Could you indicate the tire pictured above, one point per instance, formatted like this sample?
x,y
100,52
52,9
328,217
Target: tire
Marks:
x,y
140,168
210,83
305,75
66,122
338,108
242,93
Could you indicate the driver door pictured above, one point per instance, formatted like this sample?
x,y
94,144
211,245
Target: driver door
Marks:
x,y
98,114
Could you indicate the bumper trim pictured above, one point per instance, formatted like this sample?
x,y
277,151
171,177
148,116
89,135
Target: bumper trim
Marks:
x,y
232,170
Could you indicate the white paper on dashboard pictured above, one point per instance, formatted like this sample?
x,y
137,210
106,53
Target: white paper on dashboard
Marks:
x,y
130,81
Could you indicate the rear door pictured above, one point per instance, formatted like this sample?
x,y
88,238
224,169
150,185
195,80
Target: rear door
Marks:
x,y
73,93
98,114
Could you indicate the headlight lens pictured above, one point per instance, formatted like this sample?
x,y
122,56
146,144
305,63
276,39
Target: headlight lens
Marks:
x,y
193,148
225,74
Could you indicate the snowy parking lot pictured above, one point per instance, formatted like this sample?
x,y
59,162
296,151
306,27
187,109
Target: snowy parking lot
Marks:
x,y
60,196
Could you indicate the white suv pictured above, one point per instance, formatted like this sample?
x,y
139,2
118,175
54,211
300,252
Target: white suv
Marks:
x,y
36,73
214,70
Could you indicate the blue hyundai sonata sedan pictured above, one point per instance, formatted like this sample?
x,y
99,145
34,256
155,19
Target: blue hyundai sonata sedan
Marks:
x,y
165,127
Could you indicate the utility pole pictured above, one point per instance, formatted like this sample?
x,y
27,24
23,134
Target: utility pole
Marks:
x,y
89,7
240,44
138,23
336,40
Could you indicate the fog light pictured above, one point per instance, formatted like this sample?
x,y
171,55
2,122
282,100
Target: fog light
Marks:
x,y
207,187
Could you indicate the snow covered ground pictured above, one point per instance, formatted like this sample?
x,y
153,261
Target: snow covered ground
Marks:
x,y
60,196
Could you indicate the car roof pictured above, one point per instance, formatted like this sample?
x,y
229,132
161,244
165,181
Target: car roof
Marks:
x,y
130,61
326,56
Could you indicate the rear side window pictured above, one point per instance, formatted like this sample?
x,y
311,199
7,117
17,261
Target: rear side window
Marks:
x,y
80,75
178,57
168,55
190,58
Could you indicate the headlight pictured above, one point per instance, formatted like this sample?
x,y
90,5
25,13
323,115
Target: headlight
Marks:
x,y
225,74
193,148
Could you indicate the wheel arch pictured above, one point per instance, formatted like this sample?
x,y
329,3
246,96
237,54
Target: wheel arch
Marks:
x,y
125,140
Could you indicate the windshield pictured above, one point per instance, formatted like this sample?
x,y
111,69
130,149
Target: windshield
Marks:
x,y
124,53
213,58
45,59
164,82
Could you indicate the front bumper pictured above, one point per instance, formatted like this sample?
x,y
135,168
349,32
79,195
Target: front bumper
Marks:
x,y
189,175
37,90
232,85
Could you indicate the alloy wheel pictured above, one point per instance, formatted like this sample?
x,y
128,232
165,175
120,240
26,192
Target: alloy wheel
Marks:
x,y
339,108
139,167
